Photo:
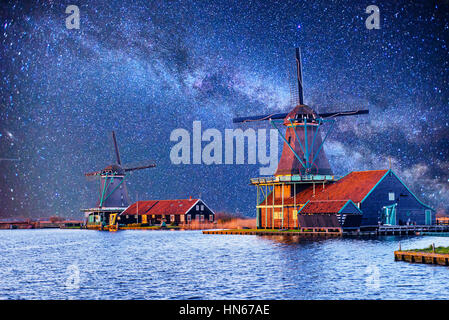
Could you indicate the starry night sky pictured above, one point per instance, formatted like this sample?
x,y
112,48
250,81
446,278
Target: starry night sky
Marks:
x,y
145,68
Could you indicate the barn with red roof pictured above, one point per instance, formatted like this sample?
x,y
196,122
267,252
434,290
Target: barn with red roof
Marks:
x,y
304,184
177,211
364,199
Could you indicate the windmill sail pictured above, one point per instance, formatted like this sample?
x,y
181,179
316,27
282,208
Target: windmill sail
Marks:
x,y
302,152
113,190
117,153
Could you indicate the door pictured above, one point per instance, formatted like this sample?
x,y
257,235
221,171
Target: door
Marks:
x,y
389,215
428,214
112,217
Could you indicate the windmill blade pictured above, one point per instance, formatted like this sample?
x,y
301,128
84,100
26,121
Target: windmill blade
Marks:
x,y
117,153
93,173
140,166
260,117
91,176
299,76
343,113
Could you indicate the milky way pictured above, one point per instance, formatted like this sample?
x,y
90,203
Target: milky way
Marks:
x,y
145,68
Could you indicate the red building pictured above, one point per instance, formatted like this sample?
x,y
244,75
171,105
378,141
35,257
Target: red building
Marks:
x,y
376,197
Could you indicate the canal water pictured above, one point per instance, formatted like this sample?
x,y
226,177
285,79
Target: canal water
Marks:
x,y
83,264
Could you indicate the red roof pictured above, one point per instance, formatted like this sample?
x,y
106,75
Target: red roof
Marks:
x,y
354,186
167,207
324,206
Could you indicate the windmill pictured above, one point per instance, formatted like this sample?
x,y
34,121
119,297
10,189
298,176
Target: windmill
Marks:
x,y
113,192
302,153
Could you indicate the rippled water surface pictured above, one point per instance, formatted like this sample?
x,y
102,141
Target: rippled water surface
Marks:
x,y
83,264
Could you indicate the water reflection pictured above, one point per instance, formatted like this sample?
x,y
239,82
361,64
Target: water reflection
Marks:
x,y
36,264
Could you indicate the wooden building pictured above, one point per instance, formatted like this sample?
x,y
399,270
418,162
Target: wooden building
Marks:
x,y
380,195
155,212
97,218
344,212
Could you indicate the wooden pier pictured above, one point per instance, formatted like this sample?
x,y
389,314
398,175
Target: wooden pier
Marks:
x,y
275,233
410,230
422,257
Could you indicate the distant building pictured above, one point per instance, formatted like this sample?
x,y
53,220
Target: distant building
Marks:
x,y
380,195
179,211
442,220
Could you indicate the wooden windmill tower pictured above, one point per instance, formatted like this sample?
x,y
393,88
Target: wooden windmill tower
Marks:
x,y
303,161
113,196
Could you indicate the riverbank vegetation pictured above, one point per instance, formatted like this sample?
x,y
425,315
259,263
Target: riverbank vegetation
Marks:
x,y
429,249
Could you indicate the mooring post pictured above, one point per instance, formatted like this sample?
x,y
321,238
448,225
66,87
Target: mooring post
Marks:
x,y
399,245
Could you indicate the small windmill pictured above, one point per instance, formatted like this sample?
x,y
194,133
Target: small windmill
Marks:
x,y
113,192
303,144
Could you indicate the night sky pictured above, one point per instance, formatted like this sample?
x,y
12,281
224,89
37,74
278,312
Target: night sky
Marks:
x,y
145,68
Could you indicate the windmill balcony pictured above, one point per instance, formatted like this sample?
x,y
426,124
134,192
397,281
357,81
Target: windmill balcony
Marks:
x,y
294,178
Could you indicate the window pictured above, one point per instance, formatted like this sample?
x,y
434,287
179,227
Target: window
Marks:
x,y
197,207
127,216
189,217
211,217
202,217
391,196
182,218
202,207
172,218
277,214
197,217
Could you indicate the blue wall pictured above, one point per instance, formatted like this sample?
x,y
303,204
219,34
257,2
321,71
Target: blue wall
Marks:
x,y
408,207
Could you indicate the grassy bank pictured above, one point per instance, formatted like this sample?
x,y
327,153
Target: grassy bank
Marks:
x,y
429,249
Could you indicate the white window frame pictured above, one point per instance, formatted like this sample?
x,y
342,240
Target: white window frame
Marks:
x,y
202,207
391,196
